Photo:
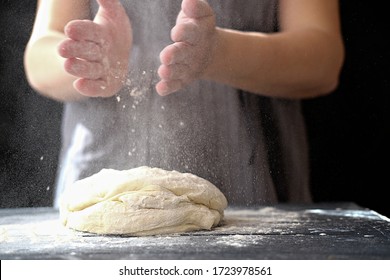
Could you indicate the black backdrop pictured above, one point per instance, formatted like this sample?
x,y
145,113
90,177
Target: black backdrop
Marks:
x,y
347,130
29,124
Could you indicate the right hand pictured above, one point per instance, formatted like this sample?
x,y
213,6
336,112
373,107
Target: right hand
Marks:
x,y
194,45
97,52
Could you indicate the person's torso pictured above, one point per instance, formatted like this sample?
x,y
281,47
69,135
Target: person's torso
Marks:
x,y
211,130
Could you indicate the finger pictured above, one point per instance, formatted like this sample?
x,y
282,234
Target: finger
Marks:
x,y
81,49
84,69
174,72
196,8
83,30
91,88
174,53
185,32
164,88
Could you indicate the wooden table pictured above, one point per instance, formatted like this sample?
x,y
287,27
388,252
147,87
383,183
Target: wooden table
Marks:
x,y
280,232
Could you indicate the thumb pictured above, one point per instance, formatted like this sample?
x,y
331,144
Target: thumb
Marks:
x,y
196,8
109,8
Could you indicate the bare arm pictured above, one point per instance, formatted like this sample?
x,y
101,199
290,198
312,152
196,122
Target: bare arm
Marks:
x,y
302,60
44,66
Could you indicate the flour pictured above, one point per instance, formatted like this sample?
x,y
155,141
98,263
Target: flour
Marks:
x,y
238,241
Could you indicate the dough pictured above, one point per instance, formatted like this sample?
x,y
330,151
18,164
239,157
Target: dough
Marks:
x,y
142,201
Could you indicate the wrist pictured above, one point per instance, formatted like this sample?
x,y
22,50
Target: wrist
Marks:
x,y
218,55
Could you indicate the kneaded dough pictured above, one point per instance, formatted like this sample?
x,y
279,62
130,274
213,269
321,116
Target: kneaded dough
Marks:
x,y
142,201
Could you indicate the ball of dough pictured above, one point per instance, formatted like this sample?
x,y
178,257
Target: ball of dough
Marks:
x,y
142,201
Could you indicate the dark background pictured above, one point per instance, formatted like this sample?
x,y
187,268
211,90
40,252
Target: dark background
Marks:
x,y
347,129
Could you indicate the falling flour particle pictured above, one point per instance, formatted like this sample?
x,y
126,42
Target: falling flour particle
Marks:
x,y
135,92
127,82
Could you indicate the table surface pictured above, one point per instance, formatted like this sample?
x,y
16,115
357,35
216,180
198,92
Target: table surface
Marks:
x,y
279,232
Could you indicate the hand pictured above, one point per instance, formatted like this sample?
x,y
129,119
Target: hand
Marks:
x,y
194,37
97,52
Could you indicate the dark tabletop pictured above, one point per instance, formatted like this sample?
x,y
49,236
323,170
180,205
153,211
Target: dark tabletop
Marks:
x,y
320,231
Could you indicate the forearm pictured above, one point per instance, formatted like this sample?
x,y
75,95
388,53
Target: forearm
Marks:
x,y
45,69
295,64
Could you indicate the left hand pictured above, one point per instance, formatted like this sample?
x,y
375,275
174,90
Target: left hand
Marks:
x,y
194,37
